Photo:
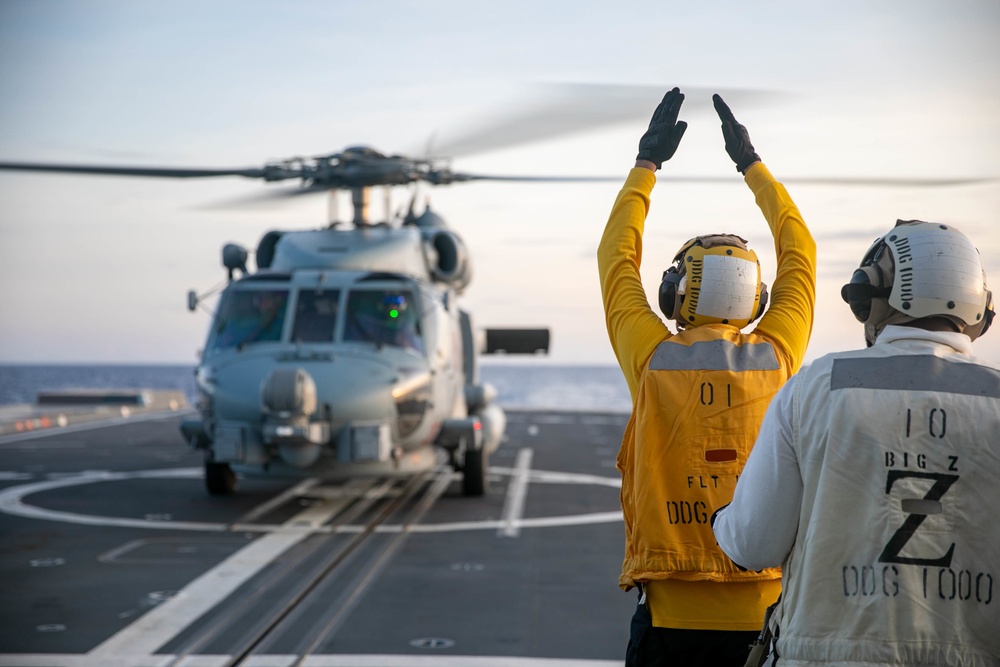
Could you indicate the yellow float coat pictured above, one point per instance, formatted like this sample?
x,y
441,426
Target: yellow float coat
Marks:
x,y
698,399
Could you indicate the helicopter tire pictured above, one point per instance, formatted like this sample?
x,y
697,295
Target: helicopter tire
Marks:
x,y
220,480
474,472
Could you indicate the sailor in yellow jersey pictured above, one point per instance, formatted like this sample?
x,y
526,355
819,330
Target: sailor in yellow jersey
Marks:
x,y
698,399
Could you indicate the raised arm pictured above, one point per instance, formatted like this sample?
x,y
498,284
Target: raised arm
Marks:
x,y
789,317
633,328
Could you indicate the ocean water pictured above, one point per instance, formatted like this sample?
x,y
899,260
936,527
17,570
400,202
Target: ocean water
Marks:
x,y
519,386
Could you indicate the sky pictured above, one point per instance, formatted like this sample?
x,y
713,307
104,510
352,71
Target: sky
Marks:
x,y
97,269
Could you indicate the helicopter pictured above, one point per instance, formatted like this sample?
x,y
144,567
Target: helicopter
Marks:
x,y
346,351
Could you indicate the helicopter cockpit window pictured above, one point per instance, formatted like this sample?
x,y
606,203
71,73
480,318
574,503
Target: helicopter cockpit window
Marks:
x,y
384,317
316,316
251,316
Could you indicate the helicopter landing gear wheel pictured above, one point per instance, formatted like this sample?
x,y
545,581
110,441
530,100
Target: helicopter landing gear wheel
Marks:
x,y
220,480
474,473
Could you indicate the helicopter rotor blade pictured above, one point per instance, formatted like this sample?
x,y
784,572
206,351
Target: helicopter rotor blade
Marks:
x,y
554,110
446,177
878,181
560,109
459,178
290,193
266,196
108,170
797,180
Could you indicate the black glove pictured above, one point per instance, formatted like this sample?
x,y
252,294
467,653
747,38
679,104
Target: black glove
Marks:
x,y
737,140
665,131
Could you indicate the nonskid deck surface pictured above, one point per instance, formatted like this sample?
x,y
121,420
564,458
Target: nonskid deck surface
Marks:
x,y
113,554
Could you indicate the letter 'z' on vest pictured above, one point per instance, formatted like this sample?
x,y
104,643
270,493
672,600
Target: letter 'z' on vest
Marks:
x,y
899,453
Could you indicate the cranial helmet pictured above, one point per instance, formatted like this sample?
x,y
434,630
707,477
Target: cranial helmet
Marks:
x,y
391,308
714,279
917,270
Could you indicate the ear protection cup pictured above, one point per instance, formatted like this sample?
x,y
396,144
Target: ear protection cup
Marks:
x,y
763,301
859,292
867,282
668,293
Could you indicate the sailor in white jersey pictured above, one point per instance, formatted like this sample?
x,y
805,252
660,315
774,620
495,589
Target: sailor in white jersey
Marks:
x,y
875,479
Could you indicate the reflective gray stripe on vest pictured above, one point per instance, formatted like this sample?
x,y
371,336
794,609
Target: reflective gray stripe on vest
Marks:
x,y
915,373
714,355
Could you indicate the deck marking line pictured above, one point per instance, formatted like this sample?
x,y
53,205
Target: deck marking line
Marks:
x,y
430,496
448,661
277,660
517,490
270,660
11,502
162,623
298,490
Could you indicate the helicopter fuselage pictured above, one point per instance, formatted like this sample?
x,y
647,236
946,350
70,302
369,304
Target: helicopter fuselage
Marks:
x,y
347,354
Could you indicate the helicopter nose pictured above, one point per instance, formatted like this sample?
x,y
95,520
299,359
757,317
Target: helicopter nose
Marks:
x,y
360,407
288,406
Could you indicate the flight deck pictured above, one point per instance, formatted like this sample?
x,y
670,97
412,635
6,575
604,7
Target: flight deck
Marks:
x,y
114,554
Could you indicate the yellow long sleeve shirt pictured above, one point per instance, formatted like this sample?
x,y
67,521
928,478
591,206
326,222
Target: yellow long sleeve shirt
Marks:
x,y
698,398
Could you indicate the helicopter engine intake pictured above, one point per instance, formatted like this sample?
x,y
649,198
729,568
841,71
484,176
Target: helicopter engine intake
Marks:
x,y
288,404
449,260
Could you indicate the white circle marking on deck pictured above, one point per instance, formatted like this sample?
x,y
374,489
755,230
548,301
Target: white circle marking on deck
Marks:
x,y
12,502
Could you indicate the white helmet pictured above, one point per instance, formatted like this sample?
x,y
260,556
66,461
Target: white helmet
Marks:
x,y
919,270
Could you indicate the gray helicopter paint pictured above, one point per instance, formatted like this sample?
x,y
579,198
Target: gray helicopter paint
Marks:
x,y
426,254
355,380
366,249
